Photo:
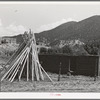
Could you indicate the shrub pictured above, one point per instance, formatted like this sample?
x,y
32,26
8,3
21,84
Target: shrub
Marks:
x,y
66,50
91,49
51,51
43,50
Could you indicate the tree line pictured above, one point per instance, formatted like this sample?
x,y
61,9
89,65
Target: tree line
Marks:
x,y
89,48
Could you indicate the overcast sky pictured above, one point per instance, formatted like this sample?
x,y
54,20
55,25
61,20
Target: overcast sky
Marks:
x,y
15,18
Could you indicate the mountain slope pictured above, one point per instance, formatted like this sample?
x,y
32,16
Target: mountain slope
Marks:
x,y
56,33
87,29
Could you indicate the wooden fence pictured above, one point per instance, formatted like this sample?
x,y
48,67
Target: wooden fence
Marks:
x,y
79,65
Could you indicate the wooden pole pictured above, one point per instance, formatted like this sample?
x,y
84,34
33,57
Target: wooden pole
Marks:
x,y
24,65
8,72
59,72
11,67
69,71
11,57
15,73
40,72
22,70
32,64
36,71
36,56
35,60
28,68
96,67
46,74
32,71
21,60
28,64
14,62
17,67
38,65
21,51
27,56
43,69
7,76
34,49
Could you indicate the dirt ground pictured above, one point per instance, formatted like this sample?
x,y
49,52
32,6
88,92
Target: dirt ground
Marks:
x,y
66,84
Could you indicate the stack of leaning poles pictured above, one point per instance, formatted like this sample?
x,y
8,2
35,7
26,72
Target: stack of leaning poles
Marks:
x,y
24,62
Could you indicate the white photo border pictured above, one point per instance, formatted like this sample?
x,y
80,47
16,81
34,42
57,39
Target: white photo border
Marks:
x,y
48,95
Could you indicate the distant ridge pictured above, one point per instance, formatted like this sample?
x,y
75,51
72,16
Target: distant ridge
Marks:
x,y
87,29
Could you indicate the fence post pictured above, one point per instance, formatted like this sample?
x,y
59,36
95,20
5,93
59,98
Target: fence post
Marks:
x,y
59,72
96,65
68,70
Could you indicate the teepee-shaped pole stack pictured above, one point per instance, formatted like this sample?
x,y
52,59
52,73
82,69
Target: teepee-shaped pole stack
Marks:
x,y
25,62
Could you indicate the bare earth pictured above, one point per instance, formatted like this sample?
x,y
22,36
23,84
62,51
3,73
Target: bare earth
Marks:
x,y
66,84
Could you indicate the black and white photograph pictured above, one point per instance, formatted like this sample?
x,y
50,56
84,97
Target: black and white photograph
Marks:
x,y
50,47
